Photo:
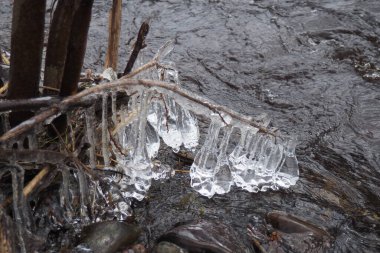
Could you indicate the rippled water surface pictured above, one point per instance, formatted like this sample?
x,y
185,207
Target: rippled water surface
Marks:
x,y
313,66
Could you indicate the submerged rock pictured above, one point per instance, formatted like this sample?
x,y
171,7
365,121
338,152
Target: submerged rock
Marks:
x,y
290,224
287,233
15,238
203,236
109,236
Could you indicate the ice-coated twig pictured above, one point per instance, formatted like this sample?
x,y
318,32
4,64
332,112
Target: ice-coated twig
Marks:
x,y
33,156
105,151
65,104
90,125
31,103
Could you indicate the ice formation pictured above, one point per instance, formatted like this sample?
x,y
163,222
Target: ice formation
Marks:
x,y
257,162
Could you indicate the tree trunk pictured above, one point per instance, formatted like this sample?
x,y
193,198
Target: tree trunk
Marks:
x,y
76,48
114,23
26,52
59,36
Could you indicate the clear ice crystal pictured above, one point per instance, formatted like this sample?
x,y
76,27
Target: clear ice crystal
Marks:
x,y
258,162
234,151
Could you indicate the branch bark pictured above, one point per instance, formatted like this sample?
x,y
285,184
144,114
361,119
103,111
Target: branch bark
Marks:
x,y
58,42
26,49
113,35
76,48
139,44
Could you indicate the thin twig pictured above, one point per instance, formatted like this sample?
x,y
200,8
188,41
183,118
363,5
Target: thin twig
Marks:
x,y
148,65
4,88
117,145
114,27
139,44
49,88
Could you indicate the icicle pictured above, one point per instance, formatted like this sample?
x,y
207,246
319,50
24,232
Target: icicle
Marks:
x,y
138,169
83,191
152,141
24,216
243,171
139,155
287,173
161,171
263,176
6,123
188,126
166,49
105,141
125,134
65,199
90,126
20,144
163,116
32,140
113,107
202,170
18,205
223,177
273,162
169,72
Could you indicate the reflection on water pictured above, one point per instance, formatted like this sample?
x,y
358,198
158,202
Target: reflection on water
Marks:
x,y
302,62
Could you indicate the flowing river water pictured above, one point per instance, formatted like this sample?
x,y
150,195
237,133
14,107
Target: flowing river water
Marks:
x,y
312,66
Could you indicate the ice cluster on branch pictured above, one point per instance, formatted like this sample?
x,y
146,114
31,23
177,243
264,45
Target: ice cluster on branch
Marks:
x,y
234,152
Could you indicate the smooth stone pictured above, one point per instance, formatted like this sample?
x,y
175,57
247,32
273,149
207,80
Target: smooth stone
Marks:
x,y
287,223
296,235
109,236
168,247
205,236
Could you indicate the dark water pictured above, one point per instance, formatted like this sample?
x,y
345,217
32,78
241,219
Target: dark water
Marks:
x,y
313,66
